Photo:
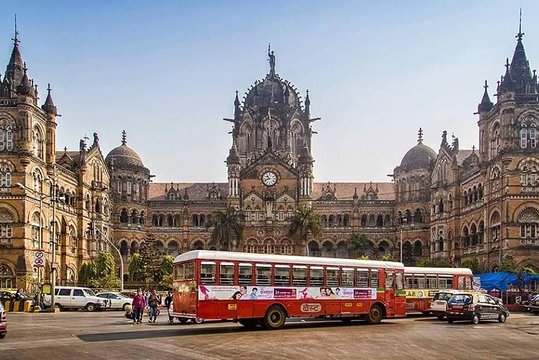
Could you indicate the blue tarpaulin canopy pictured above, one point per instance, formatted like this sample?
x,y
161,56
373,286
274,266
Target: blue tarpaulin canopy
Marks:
x,y
501,280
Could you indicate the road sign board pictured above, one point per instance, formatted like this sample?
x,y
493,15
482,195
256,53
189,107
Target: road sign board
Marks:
x,y
39,260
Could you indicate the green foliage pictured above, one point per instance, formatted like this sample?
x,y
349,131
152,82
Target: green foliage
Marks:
x,y
508,265
151,258
100,272
360,245
304,223
167,264
407,254
473,264
387,257
166,282
137,268
432,263
227,230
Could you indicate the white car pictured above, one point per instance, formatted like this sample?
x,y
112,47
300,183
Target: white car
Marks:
x,y
115,301
72,297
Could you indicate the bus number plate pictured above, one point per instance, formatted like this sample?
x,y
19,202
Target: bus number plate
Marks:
x,y
232,307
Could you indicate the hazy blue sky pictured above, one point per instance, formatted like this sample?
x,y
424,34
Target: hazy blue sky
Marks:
x,y
166,72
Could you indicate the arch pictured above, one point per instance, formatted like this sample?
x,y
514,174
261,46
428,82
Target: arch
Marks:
x,y
124,250
173,248
418,248
314,248
124,216
7,276
379,220
466,236
135,247
197,245
473,234
384,247
342,250
328,250
418,216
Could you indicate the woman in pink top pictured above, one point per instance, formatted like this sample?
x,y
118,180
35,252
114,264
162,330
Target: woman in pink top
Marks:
x,y
138,305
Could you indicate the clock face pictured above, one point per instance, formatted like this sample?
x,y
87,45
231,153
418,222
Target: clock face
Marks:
x,y
269,178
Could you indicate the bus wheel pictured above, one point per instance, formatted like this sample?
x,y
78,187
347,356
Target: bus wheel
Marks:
x,y
375,315
248,323
197,320
275,318
182,320
440,317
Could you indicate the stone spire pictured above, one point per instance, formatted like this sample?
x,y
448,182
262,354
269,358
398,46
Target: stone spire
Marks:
x,y
307,104
237,110
485,104
15,67
49,106
25,87
233,155
420,136
520,68
124,137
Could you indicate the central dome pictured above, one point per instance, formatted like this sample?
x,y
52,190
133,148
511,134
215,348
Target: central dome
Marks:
x,y
420,156
273,92
123,156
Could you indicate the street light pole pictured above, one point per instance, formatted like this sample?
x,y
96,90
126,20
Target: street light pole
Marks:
x,y
102,235
54,199
403,221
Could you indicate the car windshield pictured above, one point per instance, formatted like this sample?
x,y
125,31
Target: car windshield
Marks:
x,y
460,298
442,296
89,292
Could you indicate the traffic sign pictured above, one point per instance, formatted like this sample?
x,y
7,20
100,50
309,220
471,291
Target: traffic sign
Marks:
x,y
39,260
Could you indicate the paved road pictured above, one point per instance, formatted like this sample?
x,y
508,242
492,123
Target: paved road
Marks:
x,y
108,335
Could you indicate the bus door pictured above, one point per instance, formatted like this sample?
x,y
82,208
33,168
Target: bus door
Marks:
x,y
400,294
185,290
245,309
389,291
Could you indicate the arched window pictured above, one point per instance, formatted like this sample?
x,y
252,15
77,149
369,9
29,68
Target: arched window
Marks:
x,y
6,226
528,133
495,141
5,174
495,226
37,225
37,143
466,237
124,250
7,277
37,182
481,232
418,216
6,134
473,234
528,220
134,216
418,248
124,217
72,237
529,169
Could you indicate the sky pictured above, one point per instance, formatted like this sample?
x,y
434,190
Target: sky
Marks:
x,y
167,72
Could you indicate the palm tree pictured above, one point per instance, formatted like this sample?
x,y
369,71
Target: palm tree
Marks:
x,y
303,223
227,228
360,245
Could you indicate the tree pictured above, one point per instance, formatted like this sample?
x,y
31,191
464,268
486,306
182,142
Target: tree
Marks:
x,y
407,254
227,228
151,257
509,265
100,272
137,268
303,223
167,266
473,264
360,245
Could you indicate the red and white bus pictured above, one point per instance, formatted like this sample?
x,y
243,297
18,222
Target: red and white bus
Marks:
x,y
421,283
264,290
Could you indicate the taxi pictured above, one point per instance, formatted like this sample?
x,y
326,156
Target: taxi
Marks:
x,y
475,307
438,305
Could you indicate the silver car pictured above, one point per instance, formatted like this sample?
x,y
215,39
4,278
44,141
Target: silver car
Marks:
x,y
115,301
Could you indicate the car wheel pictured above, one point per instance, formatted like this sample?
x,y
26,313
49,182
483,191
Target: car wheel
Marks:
x,y
475,319
125,306
375,315
2,336
275,318
90,307
451,321
536,313
440,317
502,318
197,320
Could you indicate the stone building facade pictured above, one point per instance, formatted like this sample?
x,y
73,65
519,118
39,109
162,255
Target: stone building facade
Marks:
x,y
450,205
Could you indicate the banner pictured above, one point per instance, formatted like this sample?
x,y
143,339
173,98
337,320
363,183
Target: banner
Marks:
x,y
212,292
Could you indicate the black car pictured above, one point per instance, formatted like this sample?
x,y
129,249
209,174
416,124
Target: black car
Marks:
x,y
475,307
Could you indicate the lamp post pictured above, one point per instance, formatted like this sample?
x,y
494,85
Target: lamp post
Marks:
x,y
403,221
100,235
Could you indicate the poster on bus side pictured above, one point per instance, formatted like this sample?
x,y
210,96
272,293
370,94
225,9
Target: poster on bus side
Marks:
x,y
212,292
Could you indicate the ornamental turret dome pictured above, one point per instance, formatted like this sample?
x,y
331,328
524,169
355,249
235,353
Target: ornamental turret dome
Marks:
x,y
123,156
420,156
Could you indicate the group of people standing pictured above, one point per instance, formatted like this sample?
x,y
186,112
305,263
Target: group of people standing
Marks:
x,y
150,301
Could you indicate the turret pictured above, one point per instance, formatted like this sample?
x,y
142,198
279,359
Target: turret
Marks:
x,y
485,105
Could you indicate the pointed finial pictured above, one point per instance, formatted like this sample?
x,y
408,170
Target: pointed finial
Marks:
x,y
520,33
271,56
485,86
473,148
420,136
124,137
507,64
16,37
48,88
65,149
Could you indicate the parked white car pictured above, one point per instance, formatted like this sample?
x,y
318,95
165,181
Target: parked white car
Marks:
x,y
115,301
72,297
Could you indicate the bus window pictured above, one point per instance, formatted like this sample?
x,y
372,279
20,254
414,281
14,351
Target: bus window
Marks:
x,y
374,279
190,271
300,275
408,281
419,281
245,274
332,276
207,273
282,275
347,278
445,282
362,278
263,274
316,276
227,273
468,283
398,281
431,282
179,272
390,277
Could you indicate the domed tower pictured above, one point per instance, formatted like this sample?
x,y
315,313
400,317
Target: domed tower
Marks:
x,y
129,191
412,193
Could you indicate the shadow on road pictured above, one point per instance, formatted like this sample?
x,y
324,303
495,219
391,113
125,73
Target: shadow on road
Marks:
x,y
206,330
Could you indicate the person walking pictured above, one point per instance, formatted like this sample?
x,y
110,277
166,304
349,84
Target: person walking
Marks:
x,y
168,305
153,303
138,305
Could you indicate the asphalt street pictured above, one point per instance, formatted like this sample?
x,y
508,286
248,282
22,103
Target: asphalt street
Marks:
x,y
108,335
